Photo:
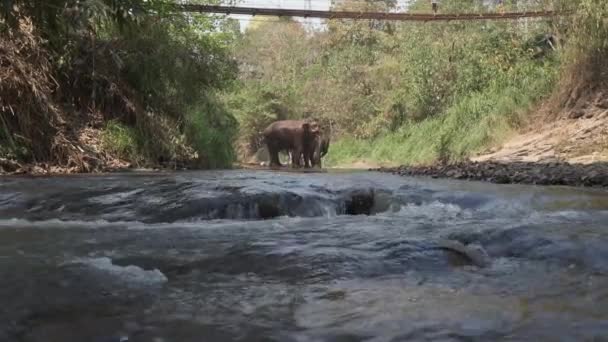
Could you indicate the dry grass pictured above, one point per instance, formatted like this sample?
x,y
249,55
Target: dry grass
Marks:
x,y
584,77
33,128
27,113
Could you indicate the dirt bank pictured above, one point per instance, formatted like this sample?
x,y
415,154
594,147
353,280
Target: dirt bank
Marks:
x,y
566,149
92,158
579,136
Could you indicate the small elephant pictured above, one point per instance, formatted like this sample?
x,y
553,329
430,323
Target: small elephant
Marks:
x,y
312,155
295,136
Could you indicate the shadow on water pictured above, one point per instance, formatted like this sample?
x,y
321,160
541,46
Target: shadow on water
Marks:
x,y
269,256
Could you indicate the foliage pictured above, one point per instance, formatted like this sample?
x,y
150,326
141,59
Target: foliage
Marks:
x,y
470,125
166,87
211,131
26,107
586,69
131,62
396,91
121,141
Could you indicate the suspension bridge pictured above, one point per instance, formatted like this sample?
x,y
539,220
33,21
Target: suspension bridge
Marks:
x,y
395,16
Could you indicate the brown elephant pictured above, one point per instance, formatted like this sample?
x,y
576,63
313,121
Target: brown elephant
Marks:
x,y
296,136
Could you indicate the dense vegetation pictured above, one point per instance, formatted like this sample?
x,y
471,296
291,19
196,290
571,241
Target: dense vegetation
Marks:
x,y
396,92
100,79
90,80
585,69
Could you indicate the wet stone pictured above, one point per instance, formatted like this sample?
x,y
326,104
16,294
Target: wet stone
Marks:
x,y
360,203
268,209
542,173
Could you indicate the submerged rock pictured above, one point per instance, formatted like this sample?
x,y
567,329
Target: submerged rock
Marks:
x,y
361,202
473,252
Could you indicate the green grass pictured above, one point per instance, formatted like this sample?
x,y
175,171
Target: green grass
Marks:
x,y
469,125
121,141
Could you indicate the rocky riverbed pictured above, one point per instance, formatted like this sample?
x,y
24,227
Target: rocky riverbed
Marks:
x,y
548,173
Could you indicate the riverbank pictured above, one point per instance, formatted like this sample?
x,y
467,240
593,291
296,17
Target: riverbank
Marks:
x,y
12,168
544,173
570,148
533,173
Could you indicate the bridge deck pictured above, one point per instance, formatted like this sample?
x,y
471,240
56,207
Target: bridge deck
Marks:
x,y
280,12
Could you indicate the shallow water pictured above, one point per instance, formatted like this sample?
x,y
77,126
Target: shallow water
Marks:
x,y
269,256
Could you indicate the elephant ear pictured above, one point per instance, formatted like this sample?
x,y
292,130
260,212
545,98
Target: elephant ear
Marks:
x,y
311,126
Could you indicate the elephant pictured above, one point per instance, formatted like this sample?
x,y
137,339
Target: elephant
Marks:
x,y
296,136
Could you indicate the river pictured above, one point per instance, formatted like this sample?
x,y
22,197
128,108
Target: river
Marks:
x,y
278,256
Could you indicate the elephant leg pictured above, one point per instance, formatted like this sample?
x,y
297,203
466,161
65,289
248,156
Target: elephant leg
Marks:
x,y
306,158
316,158
313,155
273,151
296,157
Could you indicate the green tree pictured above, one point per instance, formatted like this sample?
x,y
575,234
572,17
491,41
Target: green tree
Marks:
x,y
380,85
132,63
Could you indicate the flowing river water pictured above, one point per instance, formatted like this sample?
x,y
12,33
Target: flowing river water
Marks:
x,y
277,256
